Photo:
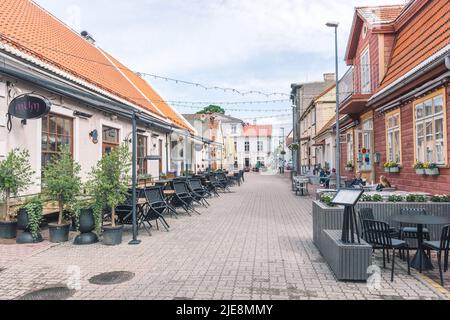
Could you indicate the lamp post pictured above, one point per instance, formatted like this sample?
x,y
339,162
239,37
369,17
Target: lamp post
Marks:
x,y
135,240
335,25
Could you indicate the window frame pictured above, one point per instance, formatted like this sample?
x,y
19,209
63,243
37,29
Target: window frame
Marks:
x,y
364,67
56,134
388,130
144,169
441,92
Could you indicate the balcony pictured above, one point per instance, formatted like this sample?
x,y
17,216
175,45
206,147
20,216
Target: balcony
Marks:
x,y
356,87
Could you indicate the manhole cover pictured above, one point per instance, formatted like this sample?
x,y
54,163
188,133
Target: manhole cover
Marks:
x,y
55,293
109,278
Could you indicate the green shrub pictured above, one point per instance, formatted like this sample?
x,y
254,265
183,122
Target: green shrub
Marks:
x,y
377,198
326,199
395,198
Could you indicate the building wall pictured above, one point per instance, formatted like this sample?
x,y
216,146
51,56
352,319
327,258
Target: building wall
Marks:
x,y
84,150
407,179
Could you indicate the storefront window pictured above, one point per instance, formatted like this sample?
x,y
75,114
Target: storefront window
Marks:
x,y
141,154
110,139
365,149
429,130
350,148
57,131
393,137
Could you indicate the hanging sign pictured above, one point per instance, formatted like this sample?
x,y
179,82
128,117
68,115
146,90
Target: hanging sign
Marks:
x,y
29,106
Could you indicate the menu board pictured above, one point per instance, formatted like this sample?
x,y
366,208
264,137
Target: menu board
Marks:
x,y
347,197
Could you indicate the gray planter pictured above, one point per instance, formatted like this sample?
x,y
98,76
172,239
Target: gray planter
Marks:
x,y
394,170
347,261
432,172
349,169
420,171
387,170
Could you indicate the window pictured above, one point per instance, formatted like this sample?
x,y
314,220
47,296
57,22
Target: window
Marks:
x,y
365,72
57,131
430,138
350,148
141,154
247,146
393,137
364,143
110,139
234,129
260,146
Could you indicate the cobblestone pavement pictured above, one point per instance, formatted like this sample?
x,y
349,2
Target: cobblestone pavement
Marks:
x,y
254,243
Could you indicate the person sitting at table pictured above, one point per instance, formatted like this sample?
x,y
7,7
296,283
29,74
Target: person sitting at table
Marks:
x,y
384,183
358,182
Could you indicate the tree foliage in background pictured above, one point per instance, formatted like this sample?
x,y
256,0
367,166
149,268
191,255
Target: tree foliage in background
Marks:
x,y
110,179
61,180
15,175
212,109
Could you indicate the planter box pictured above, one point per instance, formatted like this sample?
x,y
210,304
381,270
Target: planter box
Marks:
x,y
349,169
420,171
347,261
330,218
394,170
432,172
387,170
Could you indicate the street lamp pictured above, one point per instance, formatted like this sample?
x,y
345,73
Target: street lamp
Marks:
x,y
333,24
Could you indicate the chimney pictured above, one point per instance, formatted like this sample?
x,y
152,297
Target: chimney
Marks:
x,y
329,77
88,37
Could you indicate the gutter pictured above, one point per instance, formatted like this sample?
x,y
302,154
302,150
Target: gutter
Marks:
x,y
93,100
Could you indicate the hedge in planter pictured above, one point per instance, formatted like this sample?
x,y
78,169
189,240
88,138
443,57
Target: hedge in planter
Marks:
x,y
108,184
15,176
29,220
61,183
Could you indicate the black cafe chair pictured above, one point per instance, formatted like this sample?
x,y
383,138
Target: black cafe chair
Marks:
x,y
440,247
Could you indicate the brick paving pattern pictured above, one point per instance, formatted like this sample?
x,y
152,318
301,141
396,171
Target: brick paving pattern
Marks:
x,y
254,243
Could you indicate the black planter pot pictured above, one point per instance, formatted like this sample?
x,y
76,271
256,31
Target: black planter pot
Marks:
x,y
112,236
87,225
59,232
8,229
25,236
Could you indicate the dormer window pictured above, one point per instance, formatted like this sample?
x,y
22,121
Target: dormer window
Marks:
x,y
365,72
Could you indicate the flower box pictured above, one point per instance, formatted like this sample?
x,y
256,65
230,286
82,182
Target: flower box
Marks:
x,y
420,171
432,172
394,169
388,170
349,169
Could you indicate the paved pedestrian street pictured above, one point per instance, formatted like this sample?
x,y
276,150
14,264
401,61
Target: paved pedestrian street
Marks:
x,y
253,243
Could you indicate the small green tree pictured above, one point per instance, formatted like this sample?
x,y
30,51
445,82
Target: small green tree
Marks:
x,y
61,180
110,179
15,176
212,109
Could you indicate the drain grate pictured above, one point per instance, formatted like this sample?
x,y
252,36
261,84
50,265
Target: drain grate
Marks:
x,y
109,278
53,293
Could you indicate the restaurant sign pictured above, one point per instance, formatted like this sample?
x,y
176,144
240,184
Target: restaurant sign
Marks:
x,y
29,106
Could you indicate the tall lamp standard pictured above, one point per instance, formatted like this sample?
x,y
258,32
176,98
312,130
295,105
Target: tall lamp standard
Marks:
x,y
335,25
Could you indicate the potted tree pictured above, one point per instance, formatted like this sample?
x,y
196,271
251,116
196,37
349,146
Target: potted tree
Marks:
x,y
61,183
418,166
29,221
109,183
15,176
431,169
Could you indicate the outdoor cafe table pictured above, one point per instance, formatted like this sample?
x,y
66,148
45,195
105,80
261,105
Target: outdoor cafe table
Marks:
x,y
421,261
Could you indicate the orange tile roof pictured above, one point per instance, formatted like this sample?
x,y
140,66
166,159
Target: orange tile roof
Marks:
x,y
150,94
423,36
380,14
258,130
32,30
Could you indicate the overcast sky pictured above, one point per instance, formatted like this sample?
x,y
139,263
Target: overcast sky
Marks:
x,y
245,44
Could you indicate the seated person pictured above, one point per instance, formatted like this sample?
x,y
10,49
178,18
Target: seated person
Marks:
x,y
384,183
358,182
323,177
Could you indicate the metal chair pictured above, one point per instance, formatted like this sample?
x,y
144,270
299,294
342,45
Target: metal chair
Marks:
x,y
442,246
198,192
182,198
379,236
154,208
410,232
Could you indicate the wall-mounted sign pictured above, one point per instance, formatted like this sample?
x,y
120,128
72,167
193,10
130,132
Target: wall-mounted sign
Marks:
x,y
29,106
